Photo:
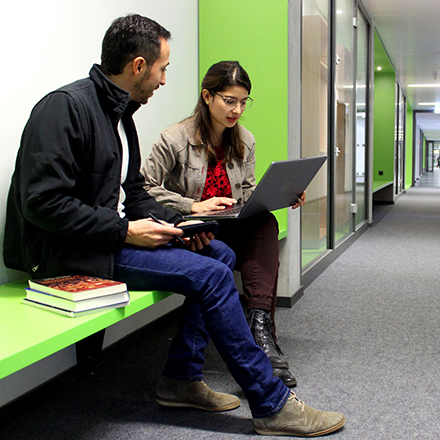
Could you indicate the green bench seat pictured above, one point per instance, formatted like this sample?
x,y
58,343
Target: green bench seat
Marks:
x,y
28,335
381,184
383,191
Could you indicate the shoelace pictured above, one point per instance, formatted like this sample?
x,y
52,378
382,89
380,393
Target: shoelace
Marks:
x,y
300,402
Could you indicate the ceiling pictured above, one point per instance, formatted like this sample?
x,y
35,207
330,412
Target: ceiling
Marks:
x,y
410,32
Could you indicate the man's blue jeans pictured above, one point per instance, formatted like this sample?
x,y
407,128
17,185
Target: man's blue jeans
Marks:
x,y
212,309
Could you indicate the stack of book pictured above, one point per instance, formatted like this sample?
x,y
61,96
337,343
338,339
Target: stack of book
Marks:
x,y
76,295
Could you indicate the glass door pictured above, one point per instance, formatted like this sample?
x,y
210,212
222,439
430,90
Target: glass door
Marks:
x,y
343,151
430,156
361,119
314,128
399,138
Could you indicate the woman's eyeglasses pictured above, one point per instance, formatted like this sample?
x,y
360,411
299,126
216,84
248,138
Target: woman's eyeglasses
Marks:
x,y
231,103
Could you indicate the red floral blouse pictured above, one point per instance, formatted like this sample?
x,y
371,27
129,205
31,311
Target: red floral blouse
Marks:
x,y
217,182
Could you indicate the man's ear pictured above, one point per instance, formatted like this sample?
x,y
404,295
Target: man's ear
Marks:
x,y
139,65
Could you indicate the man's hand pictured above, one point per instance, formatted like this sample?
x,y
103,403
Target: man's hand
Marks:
x,y
300,201
199,241
149,234
213,204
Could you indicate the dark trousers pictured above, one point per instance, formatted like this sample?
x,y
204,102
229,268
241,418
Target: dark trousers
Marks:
x,y
255,243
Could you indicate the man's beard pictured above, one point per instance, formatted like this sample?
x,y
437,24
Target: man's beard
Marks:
x,y
143,90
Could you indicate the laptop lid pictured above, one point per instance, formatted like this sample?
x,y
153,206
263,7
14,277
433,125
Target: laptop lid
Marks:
x,y
280,187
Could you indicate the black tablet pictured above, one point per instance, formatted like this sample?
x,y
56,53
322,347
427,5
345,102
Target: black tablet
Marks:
x,y
190,230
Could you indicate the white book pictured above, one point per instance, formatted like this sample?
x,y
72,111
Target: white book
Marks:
x,y
70,313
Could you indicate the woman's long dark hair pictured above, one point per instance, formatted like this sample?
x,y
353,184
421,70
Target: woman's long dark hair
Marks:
x,y
219,77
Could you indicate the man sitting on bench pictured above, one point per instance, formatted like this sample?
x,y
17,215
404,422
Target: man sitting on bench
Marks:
x,y
77,205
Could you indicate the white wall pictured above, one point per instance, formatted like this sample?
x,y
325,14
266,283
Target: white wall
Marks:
x,y
49,43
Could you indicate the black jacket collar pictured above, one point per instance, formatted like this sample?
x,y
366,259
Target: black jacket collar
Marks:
x,y
117,100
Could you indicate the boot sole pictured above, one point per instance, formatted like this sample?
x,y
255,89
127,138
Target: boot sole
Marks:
x,y
176,404
263,431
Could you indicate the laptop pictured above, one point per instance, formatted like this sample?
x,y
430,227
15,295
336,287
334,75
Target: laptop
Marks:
x,y
281,186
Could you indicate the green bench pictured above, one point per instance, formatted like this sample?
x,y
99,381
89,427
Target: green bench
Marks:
x,y
383,191
28,335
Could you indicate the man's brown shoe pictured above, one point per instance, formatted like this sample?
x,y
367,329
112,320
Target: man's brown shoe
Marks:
x,y
298,419
193,394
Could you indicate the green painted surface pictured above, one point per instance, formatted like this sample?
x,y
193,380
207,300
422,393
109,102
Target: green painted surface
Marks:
x,y
29,335
380,184
384,115
381,57
253,32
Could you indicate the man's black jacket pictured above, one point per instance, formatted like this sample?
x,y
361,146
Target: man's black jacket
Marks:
x,y
62,205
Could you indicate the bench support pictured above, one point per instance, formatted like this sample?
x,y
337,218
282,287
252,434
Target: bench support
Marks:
x,y
384,194
88,351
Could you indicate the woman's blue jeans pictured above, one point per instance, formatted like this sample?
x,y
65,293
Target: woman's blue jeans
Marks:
x,y
212,309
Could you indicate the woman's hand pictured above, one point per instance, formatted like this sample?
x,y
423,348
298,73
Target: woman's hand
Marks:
x,y
300,201
213,204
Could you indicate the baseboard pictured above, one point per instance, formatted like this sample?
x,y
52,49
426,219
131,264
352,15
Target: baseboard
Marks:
x,y
290,301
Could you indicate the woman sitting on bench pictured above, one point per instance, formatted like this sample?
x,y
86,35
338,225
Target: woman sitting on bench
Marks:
x,y
207,162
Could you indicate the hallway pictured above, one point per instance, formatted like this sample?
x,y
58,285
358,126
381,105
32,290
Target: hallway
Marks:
x,y
371,325
430,179
364,340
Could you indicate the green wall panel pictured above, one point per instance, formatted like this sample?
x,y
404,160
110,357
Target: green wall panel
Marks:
x,y
255,33
384,115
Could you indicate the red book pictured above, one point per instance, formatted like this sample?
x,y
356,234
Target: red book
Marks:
x,y
77,287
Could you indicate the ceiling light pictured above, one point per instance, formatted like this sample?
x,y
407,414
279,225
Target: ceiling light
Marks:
x,y
379,68
338,11
423,85
358,86
428,103
437,109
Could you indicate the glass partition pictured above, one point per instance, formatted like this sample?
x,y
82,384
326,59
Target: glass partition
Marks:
x,y
361,115
344,86
399,139
314,130
430,157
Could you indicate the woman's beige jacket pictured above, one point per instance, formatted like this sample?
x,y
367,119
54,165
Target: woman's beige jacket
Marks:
x,y
176,170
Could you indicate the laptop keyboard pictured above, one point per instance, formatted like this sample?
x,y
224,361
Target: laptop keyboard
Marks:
x,y
229,211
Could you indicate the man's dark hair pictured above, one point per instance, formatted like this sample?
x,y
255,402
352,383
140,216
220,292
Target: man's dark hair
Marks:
x,y
129,37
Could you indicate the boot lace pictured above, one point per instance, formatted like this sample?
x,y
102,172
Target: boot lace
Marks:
x,y
266,321
270,325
